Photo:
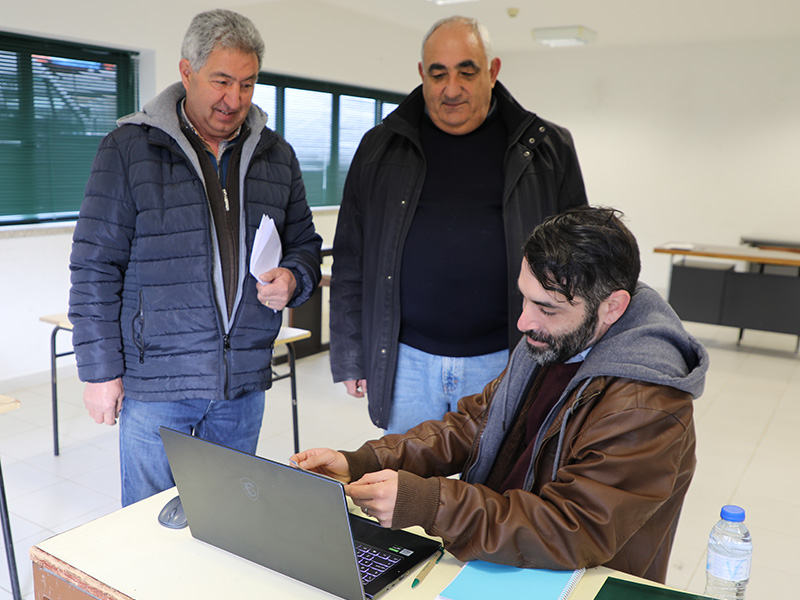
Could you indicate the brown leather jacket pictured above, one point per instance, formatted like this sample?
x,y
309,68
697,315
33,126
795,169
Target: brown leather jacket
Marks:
x,y
606,484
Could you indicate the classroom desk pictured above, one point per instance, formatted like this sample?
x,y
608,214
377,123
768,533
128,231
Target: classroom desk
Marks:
x,y
770,243
746,253
715,292
309,314
127,555
287,336
7,404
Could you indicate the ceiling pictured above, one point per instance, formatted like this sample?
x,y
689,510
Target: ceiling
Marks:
x,y
617,22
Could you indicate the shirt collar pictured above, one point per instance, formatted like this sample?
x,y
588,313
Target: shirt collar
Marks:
x,y
580,356
222,145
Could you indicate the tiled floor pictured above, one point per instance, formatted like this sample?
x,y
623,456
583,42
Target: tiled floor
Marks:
x,y
748,445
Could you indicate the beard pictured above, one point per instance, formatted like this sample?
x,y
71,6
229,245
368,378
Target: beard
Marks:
x,y
560,348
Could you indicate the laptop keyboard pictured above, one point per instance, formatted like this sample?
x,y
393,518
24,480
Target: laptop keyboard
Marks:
x,y
373,562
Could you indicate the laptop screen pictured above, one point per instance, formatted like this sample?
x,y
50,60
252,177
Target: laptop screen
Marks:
x,y
289,520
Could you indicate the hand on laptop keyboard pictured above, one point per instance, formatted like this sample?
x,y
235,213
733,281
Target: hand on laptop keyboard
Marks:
x,y
375,493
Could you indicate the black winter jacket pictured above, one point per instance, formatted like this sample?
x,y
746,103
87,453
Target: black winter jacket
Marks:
x,y
542,177
146,301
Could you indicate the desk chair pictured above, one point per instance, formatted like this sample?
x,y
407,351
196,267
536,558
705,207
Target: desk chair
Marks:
x,y
287,336
7,404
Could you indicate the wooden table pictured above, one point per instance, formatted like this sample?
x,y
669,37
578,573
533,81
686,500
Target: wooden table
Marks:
x,y
744,253
7,404
716,292
309,314
127,555
287,336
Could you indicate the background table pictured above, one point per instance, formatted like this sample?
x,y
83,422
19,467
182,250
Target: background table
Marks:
x,y
715,292
287,336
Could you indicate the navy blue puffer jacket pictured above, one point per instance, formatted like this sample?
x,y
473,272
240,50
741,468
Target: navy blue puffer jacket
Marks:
x,y
143,302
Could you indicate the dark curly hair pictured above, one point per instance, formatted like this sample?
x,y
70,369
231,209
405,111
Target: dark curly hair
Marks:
x,y
584,252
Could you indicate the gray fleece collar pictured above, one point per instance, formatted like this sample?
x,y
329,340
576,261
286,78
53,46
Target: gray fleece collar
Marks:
x,y
648,343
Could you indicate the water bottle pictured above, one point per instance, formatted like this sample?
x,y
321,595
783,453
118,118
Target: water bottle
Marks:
x,y
730,552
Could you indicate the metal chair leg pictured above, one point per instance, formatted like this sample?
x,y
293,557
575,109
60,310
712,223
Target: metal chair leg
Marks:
x,y
54,388
293,382
12,562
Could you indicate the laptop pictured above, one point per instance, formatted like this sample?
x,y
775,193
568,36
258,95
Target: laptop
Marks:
x,y
288,520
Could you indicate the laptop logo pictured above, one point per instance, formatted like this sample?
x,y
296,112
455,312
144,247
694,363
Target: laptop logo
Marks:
x,y
250,488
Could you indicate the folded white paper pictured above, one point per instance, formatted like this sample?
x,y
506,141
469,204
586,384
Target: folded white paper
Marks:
x,y
267,249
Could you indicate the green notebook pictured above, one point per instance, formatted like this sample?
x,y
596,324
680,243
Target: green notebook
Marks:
x,y
479,580
622,589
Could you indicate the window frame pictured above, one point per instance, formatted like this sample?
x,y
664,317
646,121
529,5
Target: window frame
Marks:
x,y
337,90
127,99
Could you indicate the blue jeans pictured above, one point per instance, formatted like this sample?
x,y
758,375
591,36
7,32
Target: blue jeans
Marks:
x,y
143,463
426,386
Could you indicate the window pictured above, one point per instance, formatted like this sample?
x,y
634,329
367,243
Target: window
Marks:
x,y
57,101
324,123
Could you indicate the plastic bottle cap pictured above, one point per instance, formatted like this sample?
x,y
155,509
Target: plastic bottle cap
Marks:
x,y
732,513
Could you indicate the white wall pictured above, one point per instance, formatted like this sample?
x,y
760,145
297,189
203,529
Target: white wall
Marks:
x,y
34,278
695,143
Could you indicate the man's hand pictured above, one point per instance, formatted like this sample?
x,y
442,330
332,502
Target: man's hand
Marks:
x,y
104,400
376,495
276,288
356,387
325,461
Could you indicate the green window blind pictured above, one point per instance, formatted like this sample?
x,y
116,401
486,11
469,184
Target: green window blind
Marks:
x,y
57,101
324,123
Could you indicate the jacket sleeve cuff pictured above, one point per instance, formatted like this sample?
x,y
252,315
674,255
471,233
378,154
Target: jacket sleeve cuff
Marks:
x,y
361,462
417,501
101,373
299,284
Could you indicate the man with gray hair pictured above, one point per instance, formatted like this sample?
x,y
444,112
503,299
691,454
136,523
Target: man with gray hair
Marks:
x,y
436,207
170,329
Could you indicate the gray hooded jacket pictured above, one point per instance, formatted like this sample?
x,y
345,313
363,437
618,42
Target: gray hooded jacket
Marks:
x,y
647,344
